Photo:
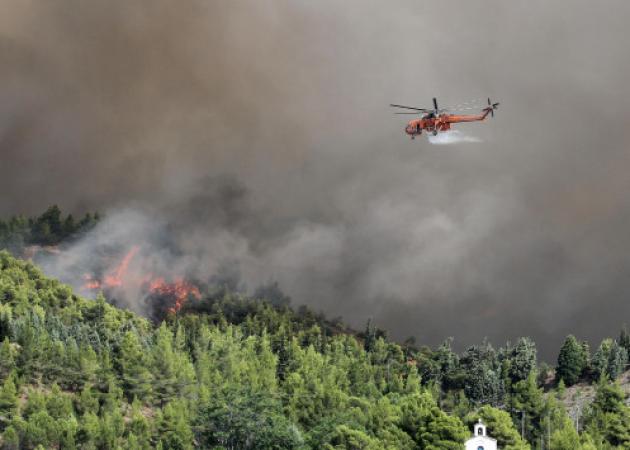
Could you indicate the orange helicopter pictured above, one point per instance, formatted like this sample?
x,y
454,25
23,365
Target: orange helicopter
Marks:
x,y
438,120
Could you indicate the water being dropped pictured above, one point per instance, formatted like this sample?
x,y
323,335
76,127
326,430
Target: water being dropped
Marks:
x,y
452,137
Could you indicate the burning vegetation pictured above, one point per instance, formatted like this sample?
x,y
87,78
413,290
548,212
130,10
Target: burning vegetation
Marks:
x,y
166,295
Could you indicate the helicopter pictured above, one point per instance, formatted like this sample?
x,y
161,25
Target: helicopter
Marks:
x,y
438,120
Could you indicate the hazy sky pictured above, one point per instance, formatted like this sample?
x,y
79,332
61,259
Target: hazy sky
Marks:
x,y
261,132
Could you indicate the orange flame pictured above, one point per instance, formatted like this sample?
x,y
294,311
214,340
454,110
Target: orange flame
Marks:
x,y
180,289
91,282
116,278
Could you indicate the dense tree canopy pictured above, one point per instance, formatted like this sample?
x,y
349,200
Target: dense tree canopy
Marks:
x,y
229,371
50,228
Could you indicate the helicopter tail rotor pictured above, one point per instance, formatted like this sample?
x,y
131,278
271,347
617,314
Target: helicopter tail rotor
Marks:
x,y
491,107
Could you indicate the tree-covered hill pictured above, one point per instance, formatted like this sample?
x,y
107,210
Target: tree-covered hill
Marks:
x,y
78,373
83,374
232,371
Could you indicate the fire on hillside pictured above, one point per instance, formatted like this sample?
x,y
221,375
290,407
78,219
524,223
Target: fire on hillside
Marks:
x,y
174,292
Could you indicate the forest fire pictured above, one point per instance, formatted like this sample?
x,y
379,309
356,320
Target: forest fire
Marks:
x,y
177,291
115,278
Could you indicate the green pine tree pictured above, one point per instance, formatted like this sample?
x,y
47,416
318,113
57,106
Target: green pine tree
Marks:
x,y
571,361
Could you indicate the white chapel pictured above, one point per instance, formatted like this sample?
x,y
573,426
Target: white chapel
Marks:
x,y
480,439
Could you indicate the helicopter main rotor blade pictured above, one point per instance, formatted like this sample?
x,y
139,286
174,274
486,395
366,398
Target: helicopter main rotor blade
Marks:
x,y
412,113
410,107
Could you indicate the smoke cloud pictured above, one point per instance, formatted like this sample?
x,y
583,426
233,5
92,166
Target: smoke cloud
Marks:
x,y
257,136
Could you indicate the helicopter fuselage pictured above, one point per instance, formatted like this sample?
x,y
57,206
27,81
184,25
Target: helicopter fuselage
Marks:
x,y
437,124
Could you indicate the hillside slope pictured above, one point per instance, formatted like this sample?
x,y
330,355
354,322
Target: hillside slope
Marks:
x,y
228,371
83,374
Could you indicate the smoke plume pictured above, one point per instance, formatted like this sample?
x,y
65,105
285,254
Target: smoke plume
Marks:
x,y
256,136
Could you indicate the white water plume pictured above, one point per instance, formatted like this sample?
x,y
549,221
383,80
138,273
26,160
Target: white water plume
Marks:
x,y
451,137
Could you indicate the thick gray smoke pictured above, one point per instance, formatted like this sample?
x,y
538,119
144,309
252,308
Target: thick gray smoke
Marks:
x,y
259,133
